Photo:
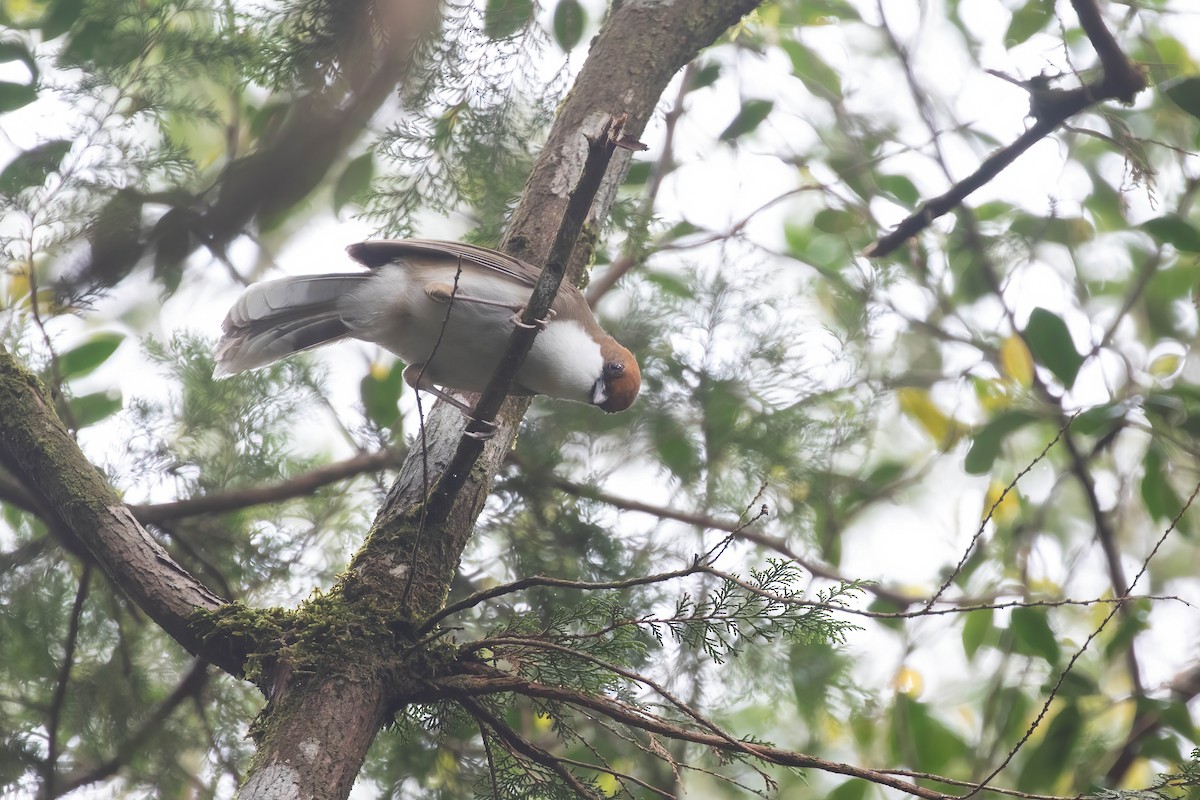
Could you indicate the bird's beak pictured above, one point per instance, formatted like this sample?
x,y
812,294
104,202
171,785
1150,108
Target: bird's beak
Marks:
x,y
599,392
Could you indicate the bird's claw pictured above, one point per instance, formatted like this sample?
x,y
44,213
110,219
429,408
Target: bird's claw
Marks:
x,y
483,435
538,324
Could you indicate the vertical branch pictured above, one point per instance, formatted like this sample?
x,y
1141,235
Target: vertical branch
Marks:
x,y
54,716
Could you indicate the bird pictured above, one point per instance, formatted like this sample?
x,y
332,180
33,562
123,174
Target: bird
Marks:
x,y
447,310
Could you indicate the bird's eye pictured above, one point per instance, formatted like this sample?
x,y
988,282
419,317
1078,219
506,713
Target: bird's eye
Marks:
x,y
614,368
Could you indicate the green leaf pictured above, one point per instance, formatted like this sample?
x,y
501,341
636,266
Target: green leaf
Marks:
x,y
33,166
380,391
977,630
1185,93
1157,493
815,667
92,408
569,21
354,181
674,448
705,75
1028,20
89,355
1053,755
638,173
1033,635
749,117
817,76
853,789
1051,344
15,95
918,732
837,220
1174,231
503,18
900,188
60,16
985,446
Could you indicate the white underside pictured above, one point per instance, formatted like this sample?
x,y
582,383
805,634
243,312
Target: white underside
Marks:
x,y
394,311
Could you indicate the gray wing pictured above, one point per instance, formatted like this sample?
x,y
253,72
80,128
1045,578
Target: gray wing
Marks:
x,y
377,253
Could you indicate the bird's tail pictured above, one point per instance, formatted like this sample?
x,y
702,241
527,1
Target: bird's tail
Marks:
x,y
274,319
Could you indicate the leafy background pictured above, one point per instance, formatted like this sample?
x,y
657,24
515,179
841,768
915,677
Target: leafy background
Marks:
x,y
1000,412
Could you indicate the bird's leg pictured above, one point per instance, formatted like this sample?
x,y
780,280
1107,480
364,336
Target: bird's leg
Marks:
x,y
444,293
412,376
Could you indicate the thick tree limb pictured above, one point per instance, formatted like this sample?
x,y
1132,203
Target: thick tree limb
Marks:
x,y
1121,80
35,444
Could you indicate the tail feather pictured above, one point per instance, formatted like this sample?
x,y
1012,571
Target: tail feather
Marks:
x,y
277,318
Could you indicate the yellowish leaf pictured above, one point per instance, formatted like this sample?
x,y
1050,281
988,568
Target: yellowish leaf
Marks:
x,y
919,406
1007,509
1165,366
908,681
1016,361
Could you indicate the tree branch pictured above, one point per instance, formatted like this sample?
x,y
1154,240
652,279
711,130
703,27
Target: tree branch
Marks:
x,y
1121,80
36,445
297,486
486,680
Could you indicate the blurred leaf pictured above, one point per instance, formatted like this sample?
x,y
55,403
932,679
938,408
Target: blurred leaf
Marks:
x,y
1033,635
918,405
15,50
32,167
569,21
1157,493
15,95
92,408
899,187
706,75
380,390
1051,344
1028,20
985,446
355,180
503,18
1174,231
1130,624
674,448
836,220
1016,362
749,117
817,76
1069,231
60,16
638,173
977,630
86,357
815,668
917,732
670,283
1185,93
1053,754
853,789
1001,502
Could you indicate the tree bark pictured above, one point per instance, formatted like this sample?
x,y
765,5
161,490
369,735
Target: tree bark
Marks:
x,y
404,570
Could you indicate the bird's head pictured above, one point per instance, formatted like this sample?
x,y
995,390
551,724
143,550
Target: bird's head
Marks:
x,y
619,381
